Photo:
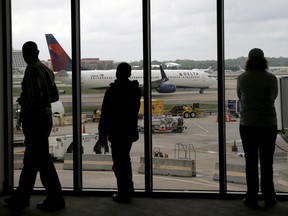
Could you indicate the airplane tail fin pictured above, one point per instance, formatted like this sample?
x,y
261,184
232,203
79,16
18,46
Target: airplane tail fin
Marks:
x,y
163,74
59,58
209,69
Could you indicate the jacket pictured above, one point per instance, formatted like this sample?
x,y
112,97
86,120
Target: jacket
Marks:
x,y
257,91
38,90
119,113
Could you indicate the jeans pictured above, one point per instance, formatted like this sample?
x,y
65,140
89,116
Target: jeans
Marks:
x,y
122,167
36,129
259,144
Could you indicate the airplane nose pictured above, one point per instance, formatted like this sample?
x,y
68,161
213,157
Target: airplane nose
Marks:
x,y
213,81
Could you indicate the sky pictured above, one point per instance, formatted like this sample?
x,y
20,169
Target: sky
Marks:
x,y
180,29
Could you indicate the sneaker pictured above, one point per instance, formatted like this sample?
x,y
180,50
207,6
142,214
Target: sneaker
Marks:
x,y
51,204
251,203
17,203
120,199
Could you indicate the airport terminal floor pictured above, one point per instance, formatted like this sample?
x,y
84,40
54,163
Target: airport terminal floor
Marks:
x,y
89,205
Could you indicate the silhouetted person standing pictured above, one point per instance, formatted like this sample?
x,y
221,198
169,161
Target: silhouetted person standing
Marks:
x,y
119,124
257,90
38,92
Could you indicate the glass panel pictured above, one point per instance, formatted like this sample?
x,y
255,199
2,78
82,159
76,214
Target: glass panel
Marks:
x,y
260,26
111,32
185,138
31,21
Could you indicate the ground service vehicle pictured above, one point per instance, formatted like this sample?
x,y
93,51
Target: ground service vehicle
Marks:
x,y
186,111
234,107
60,145
157,107
58,108
173,124
96,114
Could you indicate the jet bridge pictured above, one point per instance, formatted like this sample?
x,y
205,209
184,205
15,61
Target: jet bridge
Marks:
x,y
281,105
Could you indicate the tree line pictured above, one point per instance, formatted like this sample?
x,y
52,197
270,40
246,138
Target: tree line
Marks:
x,y
186,64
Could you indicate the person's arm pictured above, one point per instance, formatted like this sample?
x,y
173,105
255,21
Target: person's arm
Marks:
x,y
238,88
103,122
275,84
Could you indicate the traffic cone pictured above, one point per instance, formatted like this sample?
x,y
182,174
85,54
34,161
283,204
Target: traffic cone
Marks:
x,y
84,129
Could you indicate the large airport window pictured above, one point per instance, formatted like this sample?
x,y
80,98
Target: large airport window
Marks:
x,y
184,106
41,22
184,109
111,33
187,134
261,26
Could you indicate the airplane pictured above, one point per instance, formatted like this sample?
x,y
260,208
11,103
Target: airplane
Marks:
x,y
100,79
207,70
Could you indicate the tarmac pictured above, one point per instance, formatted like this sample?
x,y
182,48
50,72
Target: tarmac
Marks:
x,y
201,133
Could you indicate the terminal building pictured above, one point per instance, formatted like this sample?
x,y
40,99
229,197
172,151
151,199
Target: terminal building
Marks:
x,y
18,62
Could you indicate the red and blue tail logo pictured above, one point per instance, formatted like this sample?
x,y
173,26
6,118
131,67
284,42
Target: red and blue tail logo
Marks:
x,y
59,58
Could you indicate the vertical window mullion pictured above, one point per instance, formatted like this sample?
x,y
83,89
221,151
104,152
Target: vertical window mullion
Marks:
x,y
147,94
76,96
221,97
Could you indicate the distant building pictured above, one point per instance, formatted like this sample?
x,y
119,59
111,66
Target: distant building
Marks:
x,y
18,63
96,63
88,62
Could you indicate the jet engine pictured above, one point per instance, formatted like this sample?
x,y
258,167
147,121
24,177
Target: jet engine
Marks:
x,y
166,88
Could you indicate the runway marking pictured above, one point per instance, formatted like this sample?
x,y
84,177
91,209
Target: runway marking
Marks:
x,y
210,152
201,128
200,135
187,181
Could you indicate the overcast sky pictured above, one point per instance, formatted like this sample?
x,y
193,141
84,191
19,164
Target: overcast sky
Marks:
x,y
181,29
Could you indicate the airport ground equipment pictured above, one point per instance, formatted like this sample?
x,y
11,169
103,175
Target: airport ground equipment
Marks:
x,y
281,105
90,162
234,107
64,144
183,164
186,111
96,114
157,107
163,124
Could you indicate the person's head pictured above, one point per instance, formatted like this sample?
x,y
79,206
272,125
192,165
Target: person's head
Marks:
x,y
123,71
30,51
256,60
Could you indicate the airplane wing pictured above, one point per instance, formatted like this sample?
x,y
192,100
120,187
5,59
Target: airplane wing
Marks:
x,y
160,85
156,83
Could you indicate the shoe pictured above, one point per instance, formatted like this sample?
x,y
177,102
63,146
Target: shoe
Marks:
x,y
270,203
251,203
51,204
120,199
17,203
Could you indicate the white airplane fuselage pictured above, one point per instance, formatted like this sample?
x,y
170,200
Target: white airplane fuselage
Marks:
x,y
99,79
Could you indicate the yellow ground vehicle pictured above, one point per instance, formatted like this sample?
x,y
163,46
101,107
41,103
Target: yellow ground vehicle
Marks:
x,y
157,107
96,114
186,111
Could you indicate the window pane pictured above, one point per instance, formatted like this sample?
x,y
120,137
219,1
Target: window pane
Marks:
x,y
30,22
260,26
184,42
111,32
